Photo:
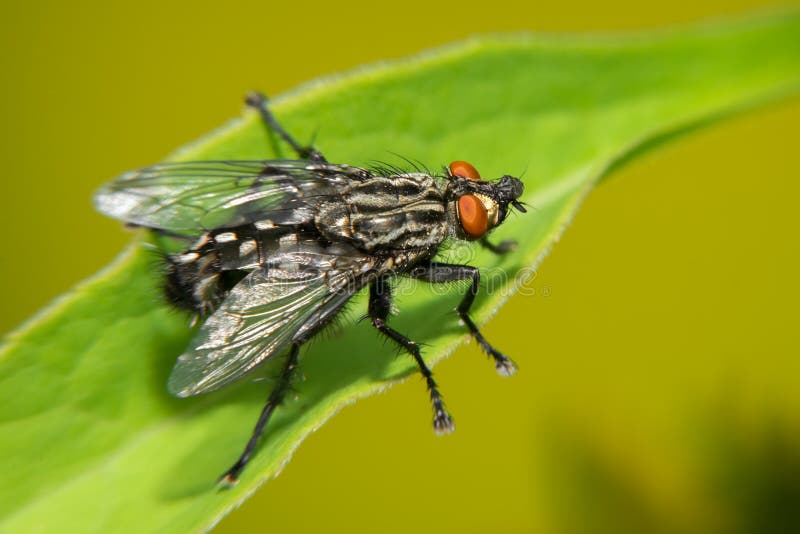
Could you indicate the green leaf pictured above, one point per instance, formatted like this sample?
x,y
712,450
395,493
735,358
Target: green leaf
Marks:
x,y
91,439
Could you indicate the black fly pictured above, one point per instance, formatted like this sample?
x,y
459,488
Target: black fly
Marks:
x,y
275,248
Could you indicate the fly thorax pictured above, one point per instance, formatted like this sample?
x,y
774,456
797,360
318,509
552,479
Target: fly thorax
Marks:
x,y
333,221
387,213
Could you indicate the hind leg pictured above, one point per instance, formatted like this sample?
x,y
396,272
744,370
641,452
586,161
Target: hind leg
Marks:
x,y
258,101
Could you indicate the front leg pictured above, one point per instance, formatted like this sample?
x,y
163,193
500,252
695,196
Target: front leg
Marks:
x,y
438,273
503,247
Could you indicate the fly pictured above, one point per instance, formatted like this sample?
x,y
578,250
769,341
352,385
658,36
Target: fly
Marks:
x,y
275,248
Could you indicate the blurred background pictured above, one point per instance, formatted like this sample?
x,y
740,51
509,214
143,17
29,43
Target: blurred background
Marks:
x,y
658,391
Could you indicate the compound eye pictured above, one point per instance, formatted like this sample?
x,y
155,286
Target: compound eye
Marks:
x,y
463,169
473,216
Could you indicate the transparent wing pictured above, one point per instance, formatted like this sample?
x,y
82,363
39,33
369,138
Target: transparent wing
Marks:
x,y
187,198
287,300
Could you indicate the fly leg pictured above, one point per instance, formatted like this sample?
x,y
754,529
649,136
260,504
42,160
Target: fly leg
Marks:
x,y
231,476
380,304
439,273
500,248
259,102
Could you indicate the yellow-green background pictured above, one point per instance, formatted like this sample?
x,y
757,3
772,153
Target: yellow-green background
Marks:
x,y
658,389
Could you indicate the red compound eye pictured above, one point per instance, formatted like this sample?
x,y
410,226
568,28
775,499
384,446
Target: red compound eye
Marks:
x,y
473,216
464,170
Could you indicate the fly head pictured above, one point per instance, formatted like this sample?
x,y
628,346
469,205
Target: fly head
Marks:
x,y
476,206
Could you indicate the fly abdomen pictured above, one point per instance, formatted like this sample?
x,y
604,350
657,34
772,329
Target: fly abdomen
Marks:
x,y
200,278
193,281
245,247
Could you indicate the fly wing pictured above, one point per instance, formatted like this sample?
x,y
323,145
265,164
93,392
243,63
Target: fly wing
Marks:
x,y
188,198
287,300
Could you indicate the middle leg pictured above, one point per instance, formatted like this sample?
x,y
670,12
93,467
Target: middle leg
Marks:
x,y
380,304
